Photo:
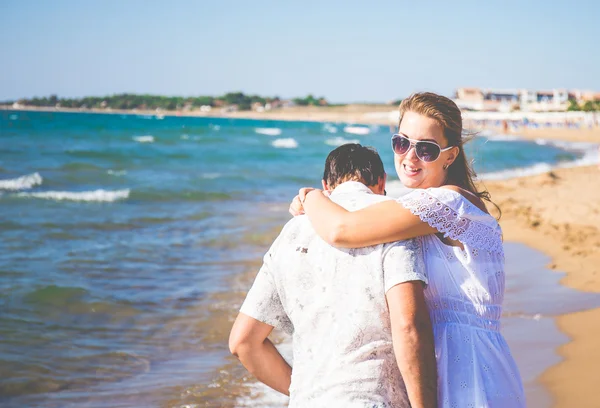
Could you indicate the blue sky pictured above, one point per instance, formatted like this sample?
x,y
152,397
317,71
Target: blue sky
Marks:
x,y
347,51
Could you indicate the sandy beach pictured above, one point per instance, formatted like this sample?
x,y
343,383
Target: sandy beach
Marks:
x,y
558,213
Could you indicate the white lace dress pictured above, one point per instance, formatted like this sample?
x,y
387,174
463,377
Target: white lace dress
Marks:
x,y
464,295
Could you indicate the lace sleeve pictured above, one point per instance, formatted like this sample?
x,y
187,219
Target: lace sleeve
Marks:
x,y
455,217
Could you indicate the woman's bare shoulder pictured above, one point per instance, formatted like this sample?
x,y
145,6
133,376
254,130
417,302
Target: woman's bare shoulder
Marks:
x,y
476,201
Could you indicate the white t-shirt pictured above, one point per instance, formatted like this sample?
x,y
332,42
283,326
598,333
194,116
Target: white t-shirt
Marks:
x,y
332,301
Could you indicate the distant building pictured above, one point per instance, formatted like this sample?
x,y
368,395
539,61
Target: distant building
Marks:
x,y
258,107
508,100
469,98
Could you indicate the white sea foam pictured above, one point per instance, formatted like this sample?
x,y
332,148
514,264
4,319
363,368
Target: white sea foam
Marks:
x,y
537,168
268,131
144,139
22,183
13,117
215,127
338,141
504,138
330,128
117,173
90,196
357,130
288,143
583,147
262,396
185,137
589,152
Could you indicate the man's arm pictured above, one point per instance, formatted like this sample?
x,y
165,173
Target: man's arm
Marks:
x,y
412,336
248,341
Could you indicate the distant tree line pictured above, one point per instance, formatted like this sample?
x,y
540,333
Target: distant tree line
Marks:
x,y
145,101
588,106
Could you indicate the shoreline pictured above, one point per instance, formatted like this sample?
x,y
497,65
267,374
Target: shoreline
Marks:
x,y
558,214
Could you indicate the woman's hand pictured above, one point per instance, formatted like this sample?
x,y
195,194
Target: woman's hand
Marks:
x,y
296,207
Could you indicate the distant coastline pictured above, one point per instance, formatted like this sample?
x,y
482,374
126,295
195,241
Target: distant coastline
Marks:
x,y
353,113
367,114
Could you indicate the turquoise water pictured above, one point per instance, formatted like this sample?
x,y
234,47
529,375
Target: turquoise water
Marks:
x,y
119,231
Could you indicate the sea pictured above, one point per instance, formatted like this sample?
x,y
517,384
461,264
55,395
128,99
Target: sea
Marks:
x,y
128,242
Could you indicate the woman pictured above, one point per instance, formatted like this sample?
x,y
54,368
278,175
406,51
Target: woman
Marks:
x,y
462,244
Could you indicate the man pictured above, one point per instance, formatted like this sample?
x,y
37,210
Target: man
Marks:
x,y
349,310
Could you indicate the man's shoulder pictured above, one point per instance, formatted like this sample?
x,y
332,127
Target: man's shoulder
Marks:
x,y
294,229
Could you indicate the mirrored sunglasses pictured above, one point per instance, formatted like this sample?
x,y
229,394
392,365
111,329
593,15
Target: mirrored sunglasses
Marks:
x,y
426,151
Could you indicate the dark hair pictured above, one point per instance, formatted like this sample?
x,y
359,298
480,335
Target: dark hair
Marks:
x,y
353,161
448,115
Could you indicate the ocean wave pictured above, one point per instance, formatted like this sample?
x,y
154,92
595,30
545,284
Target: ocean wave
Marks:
x,y
144,139
494,137
105,196
590,156
537,168
330,128
338,141
357,130
571,146
288,143
262,396
117,173
268,131
22,183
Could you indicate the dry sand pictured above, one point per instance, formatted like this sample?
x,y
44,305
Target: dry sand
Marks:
x,y
571,135
558,213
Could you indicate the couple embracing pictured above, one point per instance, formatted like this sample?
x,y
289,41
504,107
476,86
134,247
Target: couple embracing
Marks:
x,y
390,303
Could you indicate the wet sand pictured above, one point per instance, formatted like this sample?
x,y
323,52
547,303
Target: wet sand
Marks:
x,y
558,213
533,302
